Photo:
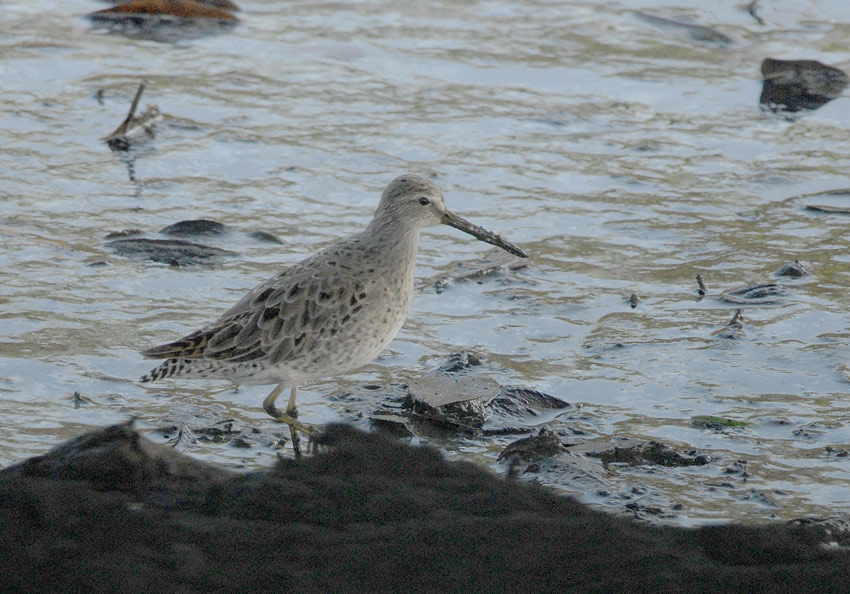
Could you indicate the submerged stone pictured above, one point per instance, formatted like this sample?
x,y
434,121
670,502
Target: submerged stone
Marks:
x,y
263,236
692,31
175,252
764,293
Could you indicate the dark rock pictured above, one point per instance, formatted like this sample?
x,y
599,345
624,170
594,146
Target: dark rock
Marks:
x,y
194,227
451,399
543,445
458,397
443,391
115,457
795,269
651,452
458,362
515,404
393,424
793,85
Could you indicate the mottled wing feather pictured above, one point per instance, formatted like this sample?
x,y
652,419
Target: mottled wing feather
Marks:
x,y
188,347
277,320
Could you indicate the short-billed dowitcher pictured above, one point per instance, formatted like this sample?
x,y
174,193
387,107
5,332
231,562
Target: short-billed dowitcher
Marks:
x,y
328,314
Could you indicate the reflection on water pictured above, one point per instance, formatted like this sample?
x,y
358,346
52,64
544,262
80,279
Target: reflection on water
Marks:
x,y
624,157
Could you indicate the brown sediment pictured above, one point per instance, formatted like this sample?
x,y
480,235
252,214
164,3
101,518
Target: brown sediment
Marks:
x,y
223,4
187,9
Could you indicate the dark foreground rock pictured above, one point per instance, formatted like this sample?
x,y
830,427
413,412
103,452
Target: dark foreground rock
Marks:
x,y
112,512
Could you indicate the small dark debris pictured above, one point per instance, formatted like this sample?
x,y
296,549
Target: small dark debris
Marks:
x,y
123,233
752,7
837,452
134,129
734,329
694,32
760,498
738,467
506,431
494,264
167,431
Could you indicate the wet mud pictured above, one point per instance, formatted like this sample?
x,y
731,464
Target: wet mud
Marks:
x,y
112,511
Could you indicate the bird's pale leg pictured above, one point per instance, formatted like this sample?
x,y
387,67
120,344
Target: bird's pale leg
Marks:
x,y
292,413
290,417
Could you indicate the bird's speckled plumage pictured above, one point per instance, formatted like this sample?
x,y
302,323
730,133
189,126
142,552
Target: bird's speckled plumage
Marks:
x,y
328,314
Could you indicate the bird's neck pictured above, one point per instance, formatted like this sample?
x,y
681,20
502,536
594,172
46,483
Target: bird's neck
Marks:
x,y
390,240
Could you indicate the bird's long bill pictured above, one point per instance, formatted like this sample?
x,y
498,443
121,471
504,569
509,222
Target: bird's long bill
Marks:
x,y
457,222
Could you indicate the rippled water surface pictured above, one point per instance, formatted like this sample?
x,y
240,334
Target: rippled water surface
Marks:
x,y
626,157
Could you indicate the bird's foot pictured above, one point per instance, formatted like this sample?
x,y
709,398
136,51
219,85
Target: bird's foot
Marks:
x,y
313,432
313,438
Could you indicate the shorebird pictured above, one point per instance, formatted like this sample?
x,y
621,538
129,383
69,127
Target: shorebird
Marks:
x,y
329,314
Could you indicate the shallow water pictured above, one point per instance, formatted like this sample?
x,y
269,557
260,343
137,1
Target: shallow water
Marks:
x,y
624,156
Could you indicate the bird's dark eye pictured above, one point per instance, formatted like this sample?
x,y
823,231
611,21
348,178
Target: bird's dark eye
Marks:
x,y
424,201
